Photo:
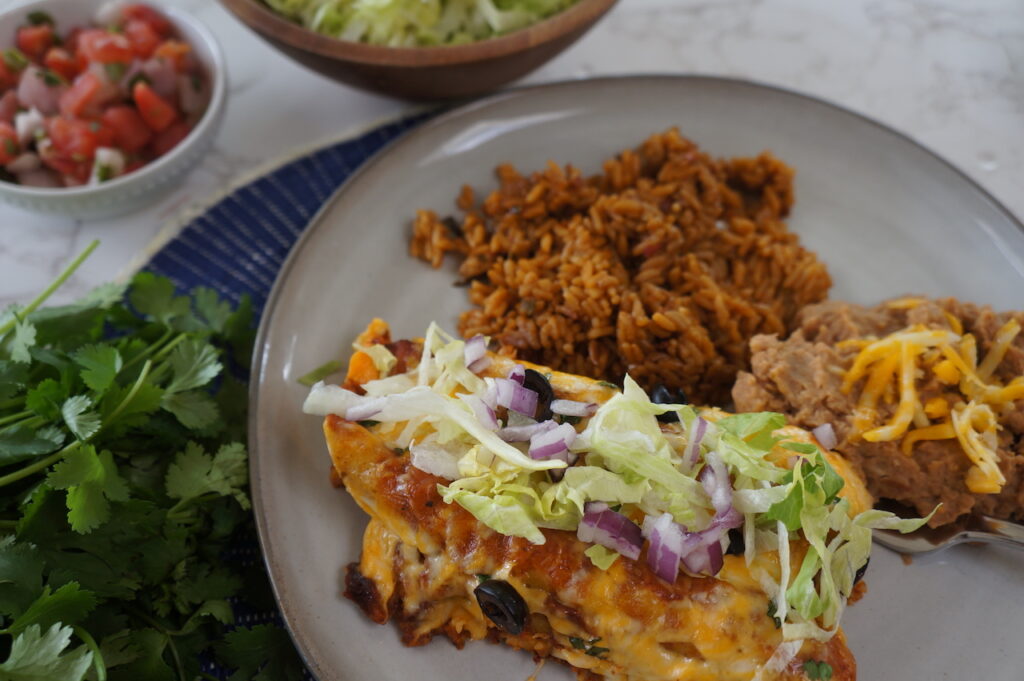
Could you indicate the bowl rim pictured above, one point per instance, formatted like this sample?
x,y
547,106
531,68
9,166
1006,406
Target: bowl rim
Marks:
x,y
217,69
258,16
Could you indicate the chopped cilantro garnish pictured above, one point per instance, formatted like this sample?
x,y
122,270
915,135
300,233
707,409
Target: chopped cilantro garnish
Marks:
x,y
39,18
104,173
597,651
577,642
773,608
608,385
15,59
115,71
50,78
481,578
368,423
10,147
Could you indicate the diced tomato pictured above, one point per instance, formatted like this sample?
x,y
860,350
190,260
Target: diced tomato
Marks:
x,y
82,98
8,76
130,132
143,38
62,62
9,148
34,41
71,39
51,158
9,106
105,47
169,138
73,139
157,21
106,136
176,52
153,108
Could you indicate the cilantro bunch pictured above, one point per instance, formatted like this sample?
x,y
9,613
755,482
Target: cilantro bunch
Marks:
x,y
123,479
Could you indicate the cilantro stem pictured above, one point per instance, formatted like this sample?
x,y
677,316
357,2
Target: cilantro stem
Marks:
x,y
40,465
131,393
170,346
97,656
13,402
15,417
56,284
177,659
149,351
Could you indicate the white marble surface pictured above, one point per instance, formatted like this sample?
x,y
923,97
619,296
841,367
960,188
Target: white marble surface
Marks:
x,y
949,73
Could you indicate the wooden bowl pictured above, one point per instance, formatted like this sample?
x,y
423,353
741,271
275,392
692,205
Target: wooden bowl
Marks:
x,y
424,73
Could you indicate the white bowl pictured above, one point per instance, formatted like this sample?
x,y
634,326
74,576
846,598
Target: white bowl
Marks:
x,y
136,189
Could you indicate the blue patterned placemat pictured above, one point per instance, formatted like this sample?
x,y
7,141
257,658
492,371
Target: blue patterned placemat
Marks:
x,y
237,247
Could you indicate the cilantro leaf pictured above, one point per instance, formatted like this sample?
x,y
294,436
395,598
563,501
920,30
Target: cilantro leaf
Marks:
x,y
100,364
194,363
195,473
67,605
260,652
43,657
45,399
153,296
13,377
149,663
21,567
194,409
20,443
211,309
82,421
92,482
24,340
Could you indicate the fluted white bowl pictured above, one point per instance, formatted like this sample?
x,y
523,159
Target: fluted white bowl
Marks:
x,y
132,191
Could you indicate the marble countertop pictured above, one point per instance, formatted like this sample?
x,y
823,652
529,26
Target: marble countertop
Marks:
x,y
948,73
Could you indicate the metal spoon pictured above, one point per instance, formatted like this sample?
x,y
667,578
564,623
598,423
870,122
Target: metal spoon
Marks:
x,y
981,529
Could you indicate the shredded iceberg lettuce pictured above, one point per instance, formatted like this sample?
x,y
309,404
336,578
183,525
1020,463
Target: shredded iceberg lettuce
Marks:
x,y
416,23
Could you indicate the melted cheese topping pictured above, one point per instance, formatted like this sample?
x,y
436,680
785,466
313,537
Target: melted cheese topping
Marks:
x,y
896,363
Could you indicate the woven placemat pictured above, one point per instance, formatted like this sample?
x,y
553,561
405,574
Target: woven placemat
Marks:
x,y
236,246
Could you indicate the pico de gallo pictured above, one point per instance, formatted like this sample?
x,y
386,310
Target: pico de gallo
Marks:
x,y
96,102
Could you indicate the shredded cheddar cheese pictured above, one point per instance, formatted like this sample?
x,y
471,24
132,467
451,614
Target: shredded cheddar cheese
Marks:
x,y
890,369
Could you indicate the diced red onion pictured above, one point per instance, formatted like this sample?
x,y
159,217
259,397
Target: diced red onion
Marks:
x,y
193,100
162,77
41,178
475,354
27,124
666,548
573,408
24,163
109,90
610,529
551,443
556,474
33,92
517,373
484,414
514,396
692,453
524,433
825,434
109,13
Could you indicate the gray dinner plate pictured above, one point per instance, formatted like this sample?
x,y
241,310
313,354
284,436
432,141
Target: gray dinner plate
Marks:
x,y
886,215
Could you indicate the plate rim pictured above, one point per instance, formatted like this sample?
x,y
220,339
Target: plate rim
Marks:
x,y
257,366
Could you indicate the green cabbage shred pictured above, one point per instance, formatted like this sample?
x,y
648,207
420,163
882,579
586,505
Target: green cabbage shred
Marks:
x,y
416,23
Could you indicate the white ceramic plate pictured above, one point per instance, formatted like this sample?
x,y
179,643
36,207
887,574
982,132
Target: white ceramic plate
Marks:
x,y
887,216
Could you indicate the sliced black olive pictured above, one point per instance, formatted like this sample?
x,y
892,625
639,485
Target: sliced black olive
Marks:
x,y
502,604
662,395
860,572
736,544
536,382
